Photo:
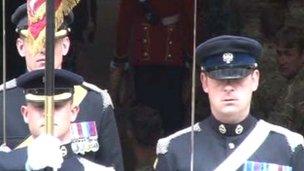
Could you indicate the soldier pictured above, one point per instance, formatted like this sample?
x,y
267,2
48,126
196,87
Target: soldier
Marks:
x,y
95,104
289,107
145,128
83,33
46,150
156,37
231,138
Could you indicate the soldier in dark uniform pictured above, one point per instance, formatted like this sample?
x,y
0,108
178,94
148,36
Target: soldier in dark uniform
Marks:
x,y
155,36
95,104
49,150
231,138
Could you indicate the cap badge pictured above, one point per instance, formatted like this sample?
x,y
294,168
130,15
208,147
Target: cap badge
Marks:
x,y
228,57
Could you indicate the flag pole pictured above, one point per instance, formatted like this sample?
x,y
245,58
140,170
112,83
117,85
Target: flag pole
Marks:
x,y
49,68
193,85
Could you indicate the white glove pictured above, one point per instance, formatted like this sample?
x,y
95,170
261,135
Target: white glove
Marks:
x,y
5,148
44,152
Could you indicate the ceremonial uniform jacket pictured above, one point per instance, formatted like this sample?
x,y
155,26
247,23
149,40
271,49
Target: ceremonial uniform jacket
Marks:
x,y
252,145
16,161
95,105
165,43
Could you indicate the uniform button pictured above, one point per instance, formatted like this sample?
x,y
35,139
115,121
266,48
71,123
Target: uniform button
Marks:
x,y
231,146
64,151
145,40
239,129
170,42
169,55
146,54
222,129
145,27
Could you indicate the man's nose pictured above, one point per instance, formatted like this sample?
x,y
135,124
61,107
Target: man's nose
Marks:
x,y
282,59
228,86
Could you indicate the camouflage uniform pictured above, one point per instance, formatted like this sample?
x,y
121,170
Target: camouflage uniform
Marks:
x,y
289,109
270,87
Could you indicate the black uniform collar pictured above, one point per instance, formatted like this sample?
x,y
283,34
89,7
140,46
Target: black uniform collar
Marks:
x,y
232,129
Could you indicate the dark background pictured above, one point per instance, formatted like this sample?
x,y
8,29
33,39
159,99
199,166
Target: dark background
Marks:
x,y
255,18
259,19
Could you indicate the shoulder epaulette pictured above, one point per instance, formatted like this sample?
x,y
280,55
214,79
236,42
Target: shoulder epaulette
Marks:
x,y
163,143
9,84
294,139
104,93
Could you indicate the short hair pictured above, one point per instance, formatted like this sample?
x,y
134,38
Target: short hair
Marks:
x,y
290,37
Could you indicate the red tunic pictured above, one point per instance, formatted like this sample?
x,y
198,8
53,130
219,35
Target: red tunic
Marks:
x,y
160,44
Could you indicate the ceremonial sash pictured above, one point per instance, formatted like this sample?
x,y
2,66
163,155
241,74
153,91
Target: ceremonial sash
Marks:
x,y
251,143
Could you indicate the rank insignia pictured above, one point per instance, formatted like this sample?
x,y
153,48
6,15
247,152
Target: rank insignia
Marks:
x,y
84,137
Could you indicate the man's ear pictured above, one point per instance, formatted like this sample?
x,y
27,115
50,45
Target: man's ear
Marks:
x,y
203,79
74,111
255,78
24,113
65,45
20,44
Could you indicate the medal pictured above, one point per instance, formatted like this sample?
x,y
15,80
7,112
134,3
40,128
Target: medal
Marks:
x,y
75,147
95,145
84,137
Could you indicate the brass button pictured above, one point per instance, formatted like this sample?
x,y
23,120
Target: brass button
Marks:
x,y
231,146
64,151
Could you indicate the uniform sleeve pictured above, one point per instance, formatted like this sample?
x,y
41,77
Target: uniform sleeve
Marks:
x,y
14,160
109,152
165,162
298,159
187,25
126,14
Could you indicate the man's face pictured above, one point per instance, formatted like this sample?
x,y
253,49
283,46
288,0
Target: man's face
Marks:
x,y
230,99
64,114
37,61
289,61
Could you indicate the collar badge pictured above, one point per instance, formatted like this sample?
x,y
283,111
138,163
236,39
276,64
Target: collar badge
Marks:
x,y
222,129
